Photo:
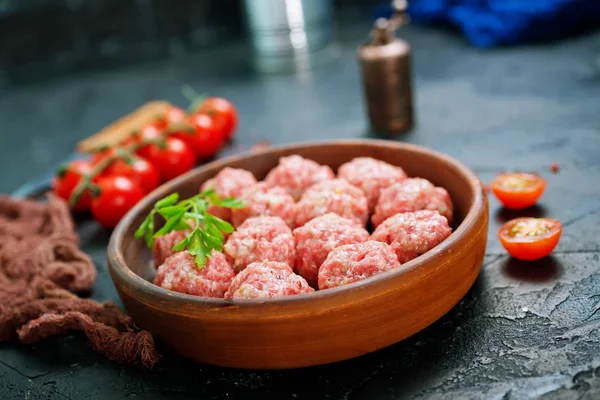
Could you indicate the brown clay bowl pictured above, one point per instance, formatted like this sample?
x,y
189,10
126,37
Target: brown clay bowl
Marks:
x,y
325,326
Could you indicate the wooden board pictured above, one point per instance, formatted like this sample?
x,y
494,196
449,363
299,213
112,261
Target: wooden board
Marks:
x,y
124,126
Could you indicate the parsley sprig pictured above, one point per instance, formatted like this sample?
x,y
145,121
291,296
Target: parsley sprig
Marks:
x,y
207,230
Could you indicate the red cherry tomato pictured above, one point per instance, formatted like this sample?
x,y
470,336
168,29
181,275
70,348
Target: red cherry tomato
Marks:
x,y
205,139
150,132
131,140
66,180
139,170
172,159
173,115
223,112
101,155
518,190
530,238
117,195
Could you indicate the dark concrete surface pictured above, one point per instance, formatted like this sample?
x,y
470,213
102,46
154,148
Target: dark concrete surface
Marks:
x,y
524,331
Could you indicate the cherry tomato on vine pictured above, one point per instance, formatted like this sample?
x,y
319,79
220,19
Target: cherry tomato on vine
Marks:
x,y
530,238
224,114
67,178
132,139
116,196
101,155
148,133
205,140
172,159
517,190
173,115
138,170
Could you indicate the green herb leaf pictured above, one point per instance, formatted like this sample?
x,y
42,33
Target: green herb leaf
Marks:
x,y
146,229
208,233
169,211
200,259
231,202
213,242
208,192
182,226
221,225
214,232
181,245
198,244
141,231
148,237
170,225
167,201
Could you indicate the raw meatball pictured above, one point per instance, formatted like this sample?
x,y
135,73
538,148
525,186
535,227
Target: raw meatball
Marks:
x,y
412,194
263,280
262,199
336,196
260,239
296,174
229,182
318,237
371,175
163,245
181,274
355,262
414,233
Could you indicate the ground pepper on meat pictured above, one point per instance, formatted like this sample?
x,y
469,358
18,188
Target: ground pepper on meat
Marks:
x,y
41,269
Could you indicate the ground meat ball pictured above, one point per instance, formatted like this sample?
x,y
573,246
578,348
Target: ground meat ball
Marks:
x,y
371,176
296,174
163,245
336,196
262,199
355,262
414,233
260,239
318,237
229,182
264,280
181,274
412,194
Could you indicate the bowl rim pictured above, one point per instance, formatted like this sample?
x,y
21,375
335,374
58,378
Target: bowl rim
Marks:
x,y
118,266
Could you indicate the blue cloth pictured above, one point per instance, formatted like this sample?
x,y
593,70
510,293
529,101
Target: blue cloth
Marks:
x,y
489,23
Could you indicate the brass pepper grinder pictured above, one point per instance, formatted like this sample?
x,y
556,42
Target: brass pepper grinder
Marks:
x,y
386,74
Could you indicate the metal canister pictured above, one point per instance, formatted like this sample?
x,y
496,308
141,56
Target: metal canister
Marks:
x,y
386,65
290,34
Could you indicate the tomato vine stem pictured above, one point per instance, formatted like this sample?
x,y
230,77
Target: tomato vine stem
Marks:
x,y
125,153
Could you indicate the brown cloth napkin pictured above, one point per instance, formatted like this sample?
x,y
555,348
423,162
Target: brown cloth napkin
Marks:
x,y
41,269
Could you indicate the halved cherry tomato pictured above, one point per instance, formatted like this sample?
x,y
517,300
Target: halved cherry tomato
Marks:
x,y
173,115
139,170
530,238
116,196
224,114
517,190
67,178
205,139
172,159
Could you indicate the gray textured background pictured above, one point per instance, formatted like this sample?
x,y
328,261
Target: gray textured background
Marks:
x,y
525,330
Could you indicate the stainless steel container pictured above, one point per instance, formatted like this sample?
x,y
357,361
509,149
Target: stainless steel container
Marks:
x,y
290,34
